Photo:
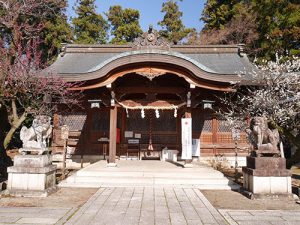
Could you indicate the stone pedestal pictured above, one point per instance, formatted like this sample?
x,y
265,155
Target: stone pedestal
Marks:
x,y
31,176
267,176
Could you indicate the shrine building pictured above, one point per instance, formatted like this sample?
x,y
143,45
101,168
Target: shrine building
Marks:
x,y
136,97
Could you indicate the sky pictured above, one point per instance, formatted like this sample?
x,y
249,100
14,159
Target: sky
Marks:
x,y
150,11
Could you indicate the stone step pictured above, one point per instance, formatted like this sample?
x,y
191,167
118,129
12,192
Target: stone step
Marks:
x,y
230,186
148,174
148,180
183,174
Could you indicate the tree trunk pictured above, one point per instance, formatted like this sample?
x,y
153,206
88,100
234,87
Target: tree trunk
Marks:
x,y
15,125
5,160
295,141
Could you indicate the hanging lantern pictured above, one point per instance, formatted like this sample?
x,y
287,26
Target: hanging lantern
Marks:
x,y
175,112
157,113
143,113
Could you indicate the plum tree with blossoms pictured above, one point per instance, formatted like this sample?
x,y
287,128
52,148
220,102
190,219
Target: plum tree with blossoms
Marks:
x,y
25,88
274,93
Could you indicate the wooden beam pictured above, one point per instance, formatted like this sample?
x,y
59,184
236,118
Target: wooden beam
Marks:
x,y
112,76
158,90
159,103
113,135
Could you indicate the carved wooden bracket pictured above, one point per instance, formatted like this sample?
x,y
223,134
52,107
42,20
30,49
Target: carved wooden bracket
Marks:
x,y
150,73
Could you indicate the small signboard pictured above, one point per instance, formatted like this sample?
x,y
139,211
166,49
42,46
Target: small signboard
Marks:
x,y
186,138
133,141
64,132
128,134
139,136
103,139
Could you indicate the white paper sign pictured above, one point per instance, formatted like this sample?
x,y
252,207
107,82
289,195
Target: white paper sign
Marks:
x,y
186,138
128,134
196,147
138,136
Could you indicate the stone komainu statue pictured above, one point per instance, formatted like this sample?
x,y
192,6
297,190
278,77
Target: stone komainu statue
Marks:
x,y
35,138
265,141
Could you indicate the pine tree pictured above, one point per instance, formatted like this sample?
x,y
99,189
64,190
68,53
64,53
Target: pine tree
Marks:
x,y
89,27
172,26
125,24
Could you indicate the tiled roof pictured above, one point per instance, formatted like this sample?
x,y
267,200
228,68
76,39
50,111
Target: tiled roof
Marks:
x,y
80,60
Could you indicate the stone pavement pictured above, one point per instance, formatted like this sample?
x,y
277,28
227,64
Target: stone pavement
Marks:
x,y
34,215
147,206
144,206
261,217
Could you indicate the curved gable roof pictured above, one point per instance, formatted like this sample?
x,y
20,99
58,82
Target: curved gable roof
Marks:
x,y
151,52
214,63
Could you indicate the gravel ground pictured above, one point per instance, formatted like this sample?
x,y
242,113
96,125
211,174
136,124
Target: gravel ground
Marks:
x,y
235,200
64,197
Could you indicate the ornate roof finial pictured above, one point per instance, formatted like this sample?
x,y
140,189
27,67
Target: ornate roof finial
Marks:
x,y
150,39
150,30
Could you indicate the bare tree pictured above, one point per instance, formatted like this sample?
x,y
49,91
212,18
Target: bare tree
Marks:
x,y
242,28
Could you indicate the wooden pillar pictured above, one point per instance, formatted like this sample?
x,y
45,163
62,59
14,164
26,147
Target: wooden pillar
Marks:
x,y
214,130
55,120
112,136
214,134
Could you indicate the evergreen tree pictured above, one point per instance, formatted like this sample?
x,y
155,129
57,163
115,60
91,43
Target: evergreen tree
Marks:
x,y
173,28
268,27
217,13
125,24
279,27
56,31
89,27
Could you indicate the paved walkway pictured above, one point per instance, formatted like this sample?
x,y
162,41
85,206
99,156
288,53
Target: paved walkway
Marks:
x,y
144,206
34,215
261,217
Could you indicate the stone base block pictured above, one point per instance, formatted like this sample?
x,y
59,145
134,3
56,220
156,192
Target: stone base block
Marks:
x,y
31,176
267,185
31,181
32,161
266,163
32,193
267,176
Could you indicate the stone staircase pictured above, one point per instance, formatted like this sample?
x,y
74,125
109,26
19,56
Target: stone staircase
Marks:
x,y
149,174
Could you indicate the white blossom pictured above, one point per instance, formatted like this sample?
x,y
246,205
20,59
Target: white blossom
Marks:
x,y
275,94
